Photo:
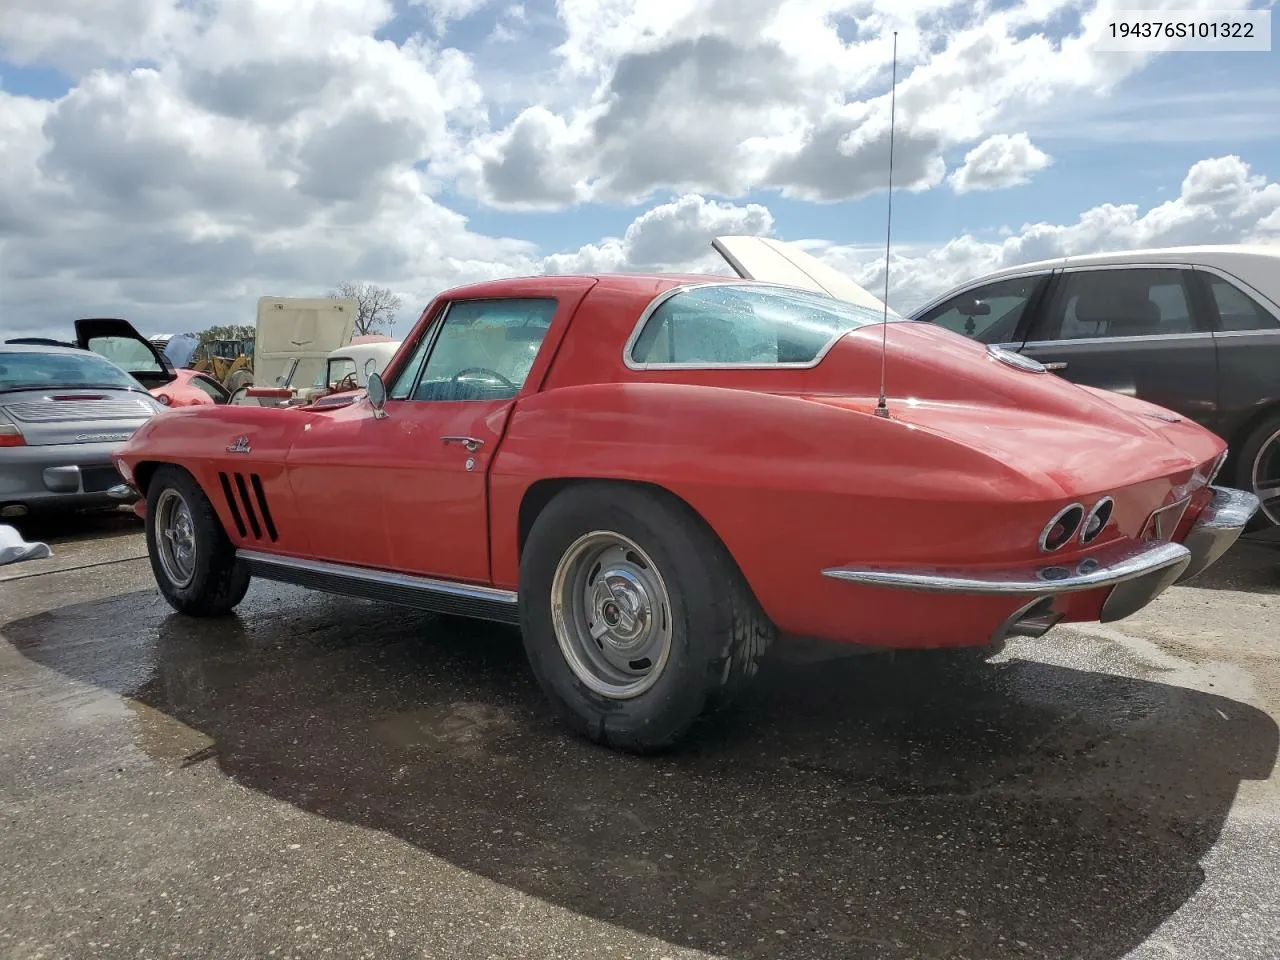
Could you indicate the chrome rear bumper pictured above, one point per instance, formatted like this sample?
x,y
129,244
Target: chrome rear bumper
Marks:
x,y
1217,528
1137,571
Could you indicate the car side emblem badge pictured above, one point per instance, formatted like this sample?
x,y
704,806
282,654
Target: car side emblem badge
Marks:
x,y
241,445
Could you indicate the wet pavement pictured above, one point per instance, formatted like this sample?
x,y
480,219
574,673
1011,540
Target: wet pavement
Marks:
x,y
322,777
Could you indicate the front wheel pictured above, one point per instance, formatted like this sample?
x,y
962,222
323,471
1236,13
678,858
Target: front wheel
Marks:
x,y
635,620
193,560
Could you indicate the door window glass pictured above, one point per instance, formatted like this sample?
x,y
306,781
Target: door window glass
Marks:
x,y
1239,311
484,349
1118,303
990,313
126,352
212,389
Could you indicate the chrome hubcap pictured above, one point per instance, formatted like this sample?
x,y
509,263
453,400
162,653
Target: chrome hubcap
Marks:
x,y
175,538
611,614
1266,477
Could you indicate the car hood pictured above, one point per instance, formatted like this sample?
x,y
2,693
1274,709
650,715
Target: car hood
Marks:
x,y
1074,437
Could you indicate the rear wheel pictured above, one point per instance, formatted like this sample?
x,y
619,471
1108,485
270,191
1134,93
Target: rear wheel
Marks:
x,y
1258,471
193,560
635,620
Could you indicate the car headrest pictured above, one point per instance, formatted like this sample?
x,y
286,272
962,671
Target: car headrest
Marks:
x,y
1122,309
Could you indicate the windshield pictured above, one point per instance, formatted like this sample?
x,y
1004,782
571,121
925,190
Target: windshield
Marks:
x,y
44,371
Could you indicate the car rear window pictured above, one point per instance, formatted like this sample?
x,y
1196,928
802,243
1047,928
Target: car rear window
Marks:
x,y
36,370
744,325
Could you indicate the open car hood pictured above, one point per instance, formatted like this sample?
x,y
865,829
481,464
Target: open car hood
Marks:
x,y
306,329
775,261
120,343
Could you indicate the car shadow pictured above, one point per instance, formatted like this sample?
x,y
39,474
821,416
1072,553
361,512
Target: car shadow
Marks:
x,y
1250,566
851,806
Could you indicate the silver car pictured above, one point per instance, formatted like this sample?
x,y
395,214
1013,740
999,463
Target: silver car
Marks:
x,y
63,413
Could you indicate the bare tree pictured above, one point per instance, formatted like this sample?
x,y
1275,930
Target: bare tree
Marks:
x,y
375,306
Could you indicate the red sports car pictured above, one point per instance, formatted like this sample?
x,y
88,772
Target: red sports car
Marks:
x,y
655,476
190,388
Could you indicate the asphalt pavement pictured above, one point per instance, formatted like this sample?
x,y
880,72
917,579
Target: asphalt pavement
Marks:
x,y
323,777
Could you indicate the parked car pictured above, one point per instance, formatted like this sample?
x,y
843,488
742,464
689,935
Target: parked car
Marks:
x,y
145,360
64,413
654,476
1193,329
346,370
191,388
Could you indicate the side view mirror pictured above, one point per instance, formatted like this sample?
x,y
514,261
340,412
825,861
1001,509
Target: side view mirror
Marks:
x,y
377,391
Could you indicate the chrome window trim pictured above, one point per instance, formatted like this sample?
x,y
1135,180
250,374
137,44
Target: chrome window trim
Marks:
x,y
1247,333
665,295
975,284
1141,338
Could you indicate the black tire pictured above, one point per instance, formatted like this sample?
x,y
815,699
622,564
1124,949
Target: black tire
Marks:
x,y
241,378
218,581
718,631
1248,452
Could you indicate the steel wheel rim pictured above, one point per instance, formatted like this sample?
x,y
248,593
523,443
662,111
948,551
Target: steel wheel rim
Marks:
x,y
612,615
1266,477
175,538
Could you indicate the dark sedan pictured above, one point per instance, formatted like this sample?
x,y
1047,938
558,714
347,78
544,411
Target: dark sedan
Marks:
x,y
1193,329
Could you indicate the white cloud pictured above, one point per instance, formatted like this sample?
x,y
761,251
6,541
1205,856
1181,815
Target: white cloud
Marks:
x,y
674,236
1220,201
210,152
998,162
726,96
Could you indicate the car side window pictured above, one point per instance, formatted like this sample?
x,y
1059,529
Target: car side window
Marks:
x,y
211,388
989,313
125,352
1118,303
480,350
1237,310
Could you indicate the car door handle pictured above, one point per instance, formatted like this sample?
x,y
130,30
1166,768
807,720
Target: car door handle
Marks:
x,y
472,444
1056,365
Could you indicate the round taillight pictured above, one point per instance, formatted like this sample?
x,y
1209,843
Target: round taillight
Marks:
x,y
164,398
1059,531
1097,519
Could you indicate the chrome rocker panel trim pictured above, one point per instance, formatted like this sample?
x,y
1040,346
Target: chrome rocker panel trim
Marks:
x,y
1219,525
422,593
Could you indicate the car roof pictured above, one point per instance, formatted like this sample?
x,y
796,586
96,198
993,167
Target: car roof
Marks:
x,y
637,282
1205,253
42,348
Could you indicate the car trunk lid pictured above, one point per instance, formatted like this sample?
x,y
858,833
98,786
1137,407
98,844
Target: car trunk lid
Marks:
x,y
68,416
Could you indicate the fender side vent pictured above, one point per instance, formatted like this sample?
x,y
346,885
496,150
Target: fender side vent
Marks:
x,y
248,507
262,506
232,505
245,505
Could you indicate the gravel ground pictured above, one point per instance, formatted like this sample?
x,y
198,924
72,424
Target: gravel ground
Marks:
x,y
321,777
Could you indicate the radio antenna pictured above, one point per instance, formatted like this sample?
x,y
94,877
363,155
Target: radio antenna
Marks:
x,y
882,405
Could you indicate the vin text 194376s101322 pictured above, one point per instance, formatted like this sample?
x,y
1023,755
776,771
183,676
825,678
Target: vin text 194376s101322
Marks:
x,y
654,476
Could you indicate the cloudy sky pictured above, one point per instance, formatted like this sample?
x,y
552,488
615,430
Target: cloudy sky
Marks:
x,y
170,161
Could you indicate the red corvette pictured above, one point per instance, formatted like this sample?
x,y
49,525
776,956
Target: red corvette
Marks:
x,y
655,476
